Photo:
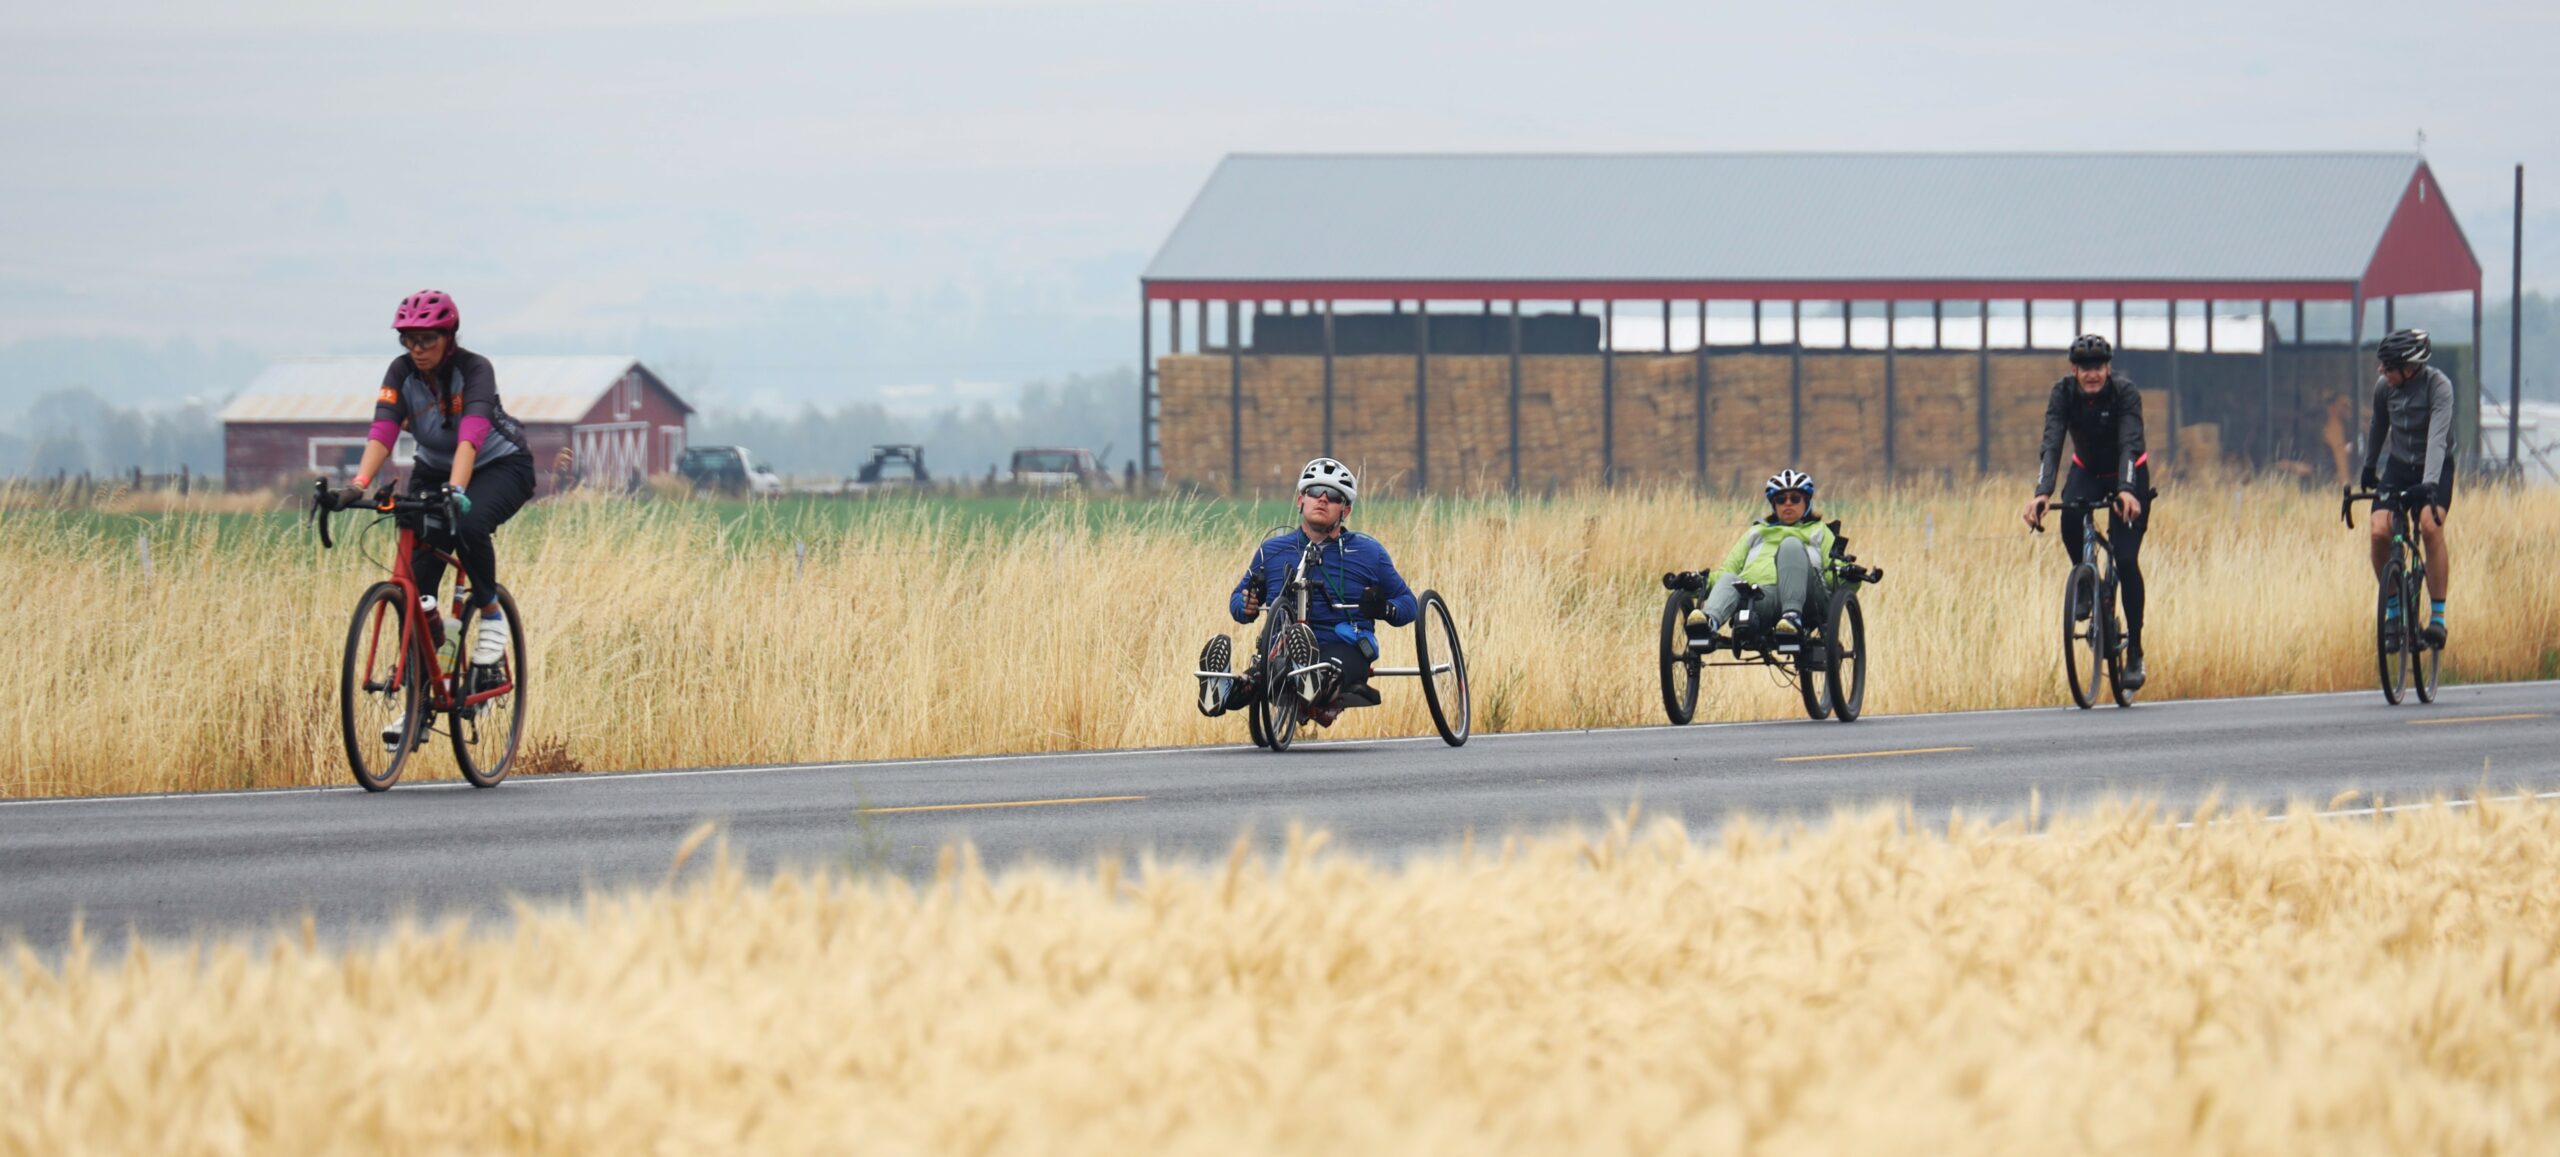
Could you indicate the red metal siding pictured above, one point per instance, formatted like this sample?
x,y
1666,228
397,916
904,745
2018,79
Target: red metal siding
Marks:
x,y
2423,249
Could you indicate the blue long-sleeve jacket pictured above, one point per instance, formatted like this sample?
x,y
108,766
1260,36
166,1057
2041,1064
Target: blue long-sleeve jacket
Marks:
x,y
1344,567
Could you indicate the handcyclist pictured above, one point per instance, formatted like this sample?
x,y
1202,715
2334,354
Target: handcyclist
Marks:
x,y
2411,446
1784,554
446,397
2102,411
1348,568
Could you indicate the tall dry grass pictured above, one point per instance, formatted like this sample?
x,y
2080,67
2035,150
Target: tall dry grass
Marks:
x,y
2385,985
666,636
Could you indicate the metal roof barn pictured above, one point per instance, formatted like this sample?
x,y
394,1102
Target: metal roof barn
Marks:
x,y
1290,237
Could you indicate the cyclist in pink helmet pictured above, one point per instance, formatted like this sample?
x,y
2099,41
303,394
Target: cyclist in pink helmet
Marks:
x,y
446,398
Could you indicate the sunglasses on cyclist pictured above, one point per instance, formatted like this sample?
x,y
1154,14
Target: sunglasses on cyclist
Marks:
x,y
1328,494
418,339
1793,496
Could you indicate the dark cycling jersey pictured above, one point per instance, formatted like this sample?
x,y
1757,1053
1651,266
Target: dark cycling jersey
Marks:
x,y
1344,567
2105,429
440,416
2413,426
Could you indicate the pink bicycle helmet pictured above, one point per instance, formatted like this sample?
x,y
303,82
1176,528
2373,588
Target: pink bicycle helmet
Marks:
x,y
427,309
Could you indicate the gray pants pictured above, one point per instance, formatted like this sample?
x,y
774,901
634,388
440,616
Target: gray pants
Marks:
x,y
1797,571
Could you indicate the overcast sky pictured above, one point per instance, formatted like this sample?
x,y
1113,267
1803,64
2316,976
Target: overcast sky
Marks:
x,y
796,198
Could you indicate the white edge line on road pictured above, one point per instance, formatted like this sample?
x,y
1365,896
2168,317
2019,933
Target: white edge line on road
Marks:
x,y
1132,753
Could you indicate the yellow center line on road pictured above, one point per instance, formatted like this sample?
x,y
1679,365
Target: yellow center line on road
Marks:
x,y
2478,718
1868,754
962,807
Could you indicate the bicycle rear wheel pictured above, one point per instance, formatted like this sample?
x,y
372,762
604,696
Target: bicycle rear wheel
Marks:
x,y
2080,634
485,735
378,689
1444,670
2391,634
1845,631
1679,665
2428,660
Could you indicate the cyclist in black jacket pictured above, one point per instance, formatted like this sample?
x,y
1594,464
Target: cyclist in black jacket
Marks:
x,y
2102,412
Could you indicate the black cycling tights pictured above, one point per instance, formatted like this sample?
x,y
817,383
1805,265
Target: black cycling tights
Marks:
x,y
498,489
2126,538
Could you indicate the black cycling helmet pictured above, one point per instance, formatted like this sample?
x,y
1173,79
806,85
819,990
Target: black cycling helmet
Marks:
x,y
2089,351
2408,347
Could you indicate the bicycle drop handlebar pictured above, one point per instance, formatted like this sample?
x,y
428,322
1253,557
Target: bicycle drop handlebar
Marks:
x,y
2405,498
325,503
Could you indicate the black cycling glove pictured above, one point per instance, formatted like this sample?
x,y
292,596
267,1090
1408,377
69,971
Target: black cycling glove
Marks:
x,y
2370,480
1373,602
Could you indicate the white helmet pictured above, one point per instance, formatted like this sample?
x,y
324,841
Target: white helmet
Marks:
x,y
1327,472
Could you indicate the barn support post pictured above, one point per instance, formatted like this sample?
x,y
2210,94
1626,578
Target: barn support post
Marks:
x,y
1203,344
2077,312
1173,326
1982,390
1701,414
1515,395
1756,339
2390,312
1937,323
1328,378
2172,416
1146,382
2355,367
1422,397
1666,325
2266,384
1889,408
1795,383
1608,392
1235,397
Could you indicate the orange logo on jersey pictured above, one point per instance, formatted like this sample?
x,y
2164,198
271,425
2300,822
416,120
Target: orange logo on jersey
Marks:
x,y
453,404
388,396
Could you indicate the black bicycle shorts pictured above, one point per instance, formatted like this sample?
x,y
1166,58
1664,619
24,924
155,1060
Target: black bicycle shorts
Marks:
x,y
2401,476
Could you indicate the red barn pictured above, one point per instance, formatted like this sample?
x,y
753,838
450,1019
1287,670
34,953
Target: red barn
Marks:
x,y
307,417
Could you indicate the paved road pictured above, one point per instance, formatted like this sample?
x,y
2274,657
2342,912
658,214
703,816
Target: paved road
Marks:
x,y
177,865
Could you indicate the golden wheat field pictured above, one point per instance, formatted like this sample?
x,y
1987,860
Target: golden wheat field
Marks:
x,y
665,635
2379,983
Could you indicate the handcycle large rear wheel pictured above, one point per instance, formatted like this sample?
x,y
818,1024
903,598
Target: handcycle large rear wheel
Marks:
x,y
485,736
2391,635
1844,631
1679,665
1444,670
379,688
2081,634
2428,660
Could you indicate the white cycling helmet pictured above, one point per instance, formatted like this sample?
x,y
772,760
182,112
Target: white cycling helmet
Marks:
x,y
1327,472
1788,480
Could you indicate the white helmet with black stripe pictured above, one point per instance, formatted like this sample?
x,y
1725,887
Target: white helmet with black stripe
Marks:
x,y
1327,472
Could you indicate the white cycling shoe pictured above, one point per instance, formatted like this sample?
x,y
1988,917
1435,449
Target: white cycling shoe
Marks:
x,y
489,642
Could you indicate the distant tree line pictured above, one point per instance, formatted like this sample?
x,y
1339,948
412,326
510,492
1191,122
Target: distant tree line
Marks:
x,y
74,431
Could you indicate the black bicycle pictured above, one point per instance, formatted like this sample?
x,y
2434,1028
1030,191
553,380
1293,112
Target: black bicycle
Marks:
x,y
2093,638
2400,647
1299,685
1827,662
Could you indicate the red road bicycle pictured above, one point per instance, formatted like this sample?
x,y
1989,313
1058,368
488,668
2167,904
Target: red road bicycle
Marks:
x,y
402,676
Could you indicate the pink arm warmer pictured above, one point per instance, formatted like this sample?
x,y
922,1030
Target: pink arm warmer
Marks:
x,y
475,430
386,432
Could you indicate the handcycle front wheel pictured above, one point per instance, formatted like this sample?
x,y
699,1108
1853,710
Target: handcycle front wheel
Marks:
x,y
2081,635
1679,665
1444,670
378,689
1844,635
1278,708
2391,634
485,735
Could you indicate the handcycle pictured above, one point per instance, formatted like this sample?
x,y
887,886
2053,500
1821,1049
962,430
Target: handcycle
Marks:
x,y
1827,662
2093,638
397,678
1297,684
2400,648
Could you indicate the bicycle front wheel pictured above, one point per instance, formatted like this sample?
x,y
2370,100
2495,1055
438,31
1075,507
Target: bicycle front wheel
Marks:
x,y
488,712
2391,635
2111,616
380,702
2080,635
2427,660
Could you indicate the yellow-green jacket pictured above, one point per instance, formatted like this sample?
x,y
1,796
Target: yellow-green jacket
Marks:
x,y
1754,557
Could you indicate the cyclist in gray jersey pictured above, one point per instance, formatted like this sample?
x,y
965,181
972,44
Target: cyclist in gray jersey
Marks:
x,y
2411,446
